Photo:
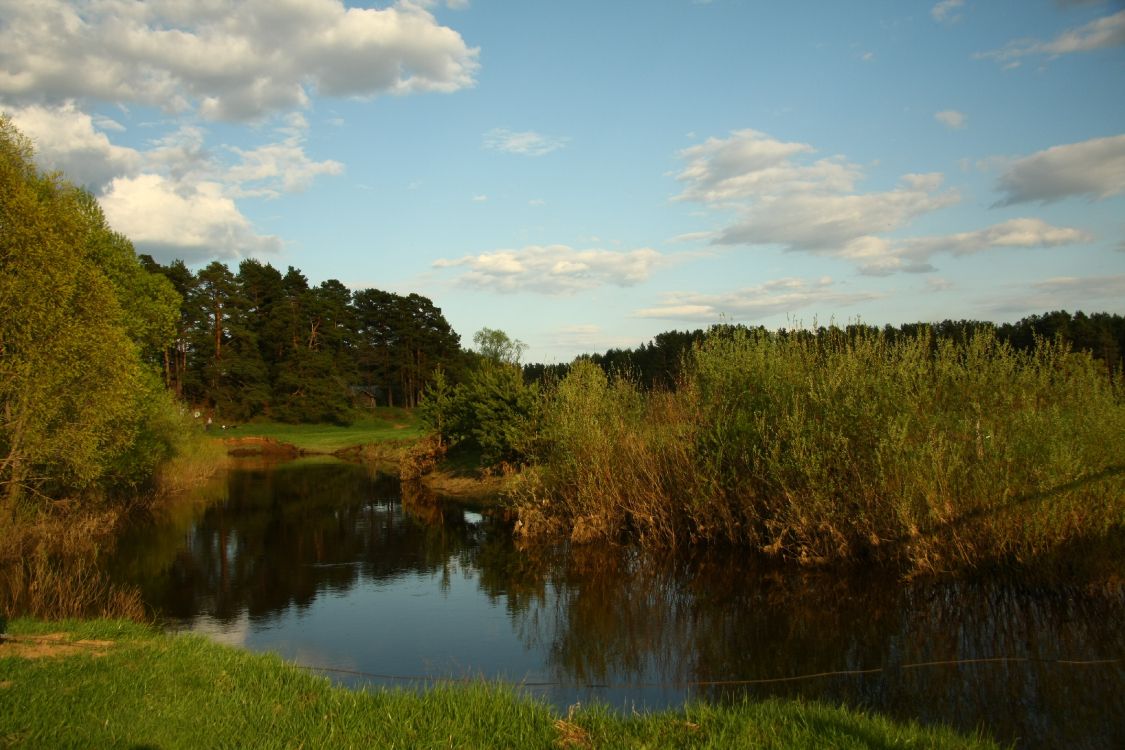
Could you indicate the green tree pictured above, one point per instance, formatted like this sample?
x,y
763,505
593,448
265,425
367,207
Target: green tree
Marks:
x,y
497,346
74,393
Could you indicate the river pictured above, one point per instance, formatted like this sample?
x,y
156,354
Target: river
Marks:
x,y
338,568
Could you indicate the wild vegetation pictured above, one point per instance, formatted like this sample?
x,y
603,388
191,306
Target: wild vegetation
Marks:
x,y
921,451
195,693
86,423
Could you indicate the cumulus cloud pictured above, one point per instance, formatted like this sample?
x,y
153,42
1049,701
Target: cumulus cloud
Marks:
x,y
781,196
526,143
231,61
1100,33
951,118
554,269
192,187
192,222
946,11
71,141
1094,168
751,303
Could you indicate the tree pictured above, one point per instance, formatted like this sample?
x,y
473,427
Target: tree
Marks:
x,y
76,400
495,345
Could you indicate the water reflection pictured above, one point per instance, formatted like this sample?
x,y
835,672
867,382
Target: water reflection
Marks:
x,y
331,565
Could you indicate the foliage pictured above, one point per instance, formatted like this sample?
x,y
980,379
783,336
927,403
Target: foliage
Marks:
x,y
258,343
129,686
80,313
841,444
492,410
495,345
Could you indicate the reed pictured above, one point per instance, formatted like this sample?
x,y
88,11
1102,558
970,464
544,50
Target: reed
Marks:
x,y
841,445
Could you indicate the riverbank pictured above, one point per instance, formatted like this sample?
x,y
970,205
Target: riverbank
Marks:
x,y
391,441
114,684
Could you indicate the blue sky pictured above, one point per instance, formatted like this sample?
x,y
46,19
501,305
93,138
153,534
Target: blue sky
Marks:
x,y
588,174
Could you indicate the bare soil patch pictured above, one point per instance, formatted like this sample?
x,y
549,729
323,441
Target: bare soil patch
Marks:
x,y
50,646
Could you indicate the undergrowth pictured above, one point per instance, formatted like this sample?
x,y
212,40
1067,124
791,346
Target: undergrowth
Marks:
x,y
839,446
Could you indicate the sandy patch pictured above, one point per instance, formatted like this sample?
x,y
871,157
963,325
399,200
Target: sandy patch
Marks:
x,y
51,645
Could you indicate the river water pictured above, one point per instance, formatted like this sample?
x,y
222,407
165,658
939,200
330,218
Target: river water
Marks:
x,y
335,567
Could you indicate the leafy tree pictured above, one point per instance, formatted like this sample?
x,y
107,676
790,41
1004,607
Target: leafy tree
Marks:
x,y
76,400
497,346
492,411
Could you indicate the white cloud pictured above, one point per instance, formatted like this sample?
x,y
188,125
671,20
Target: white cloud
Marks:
x,y
554,269
1095,168
1065,292
276,168
804,206
946,11
779,296
74,143
876,256
951,119
526,143
186,179
193,222
232,61
1013,233
480,198
1101,33
750,163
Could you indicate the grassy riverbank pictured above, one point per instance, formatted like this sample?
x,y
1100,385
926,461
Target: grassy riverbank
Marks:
x,y
114,684
383,425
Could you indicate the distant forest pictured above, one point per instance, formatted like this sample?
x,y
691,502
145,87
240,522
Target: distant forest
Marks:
x,y
259,342
657,363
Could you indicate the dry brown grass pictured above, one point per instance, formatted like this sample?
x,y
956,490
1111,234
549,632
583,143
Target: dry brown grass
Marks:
x,y
49,566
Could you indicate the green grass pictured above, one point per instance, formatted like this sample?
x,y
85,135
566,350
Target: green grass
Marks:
x,y
146,689
386,424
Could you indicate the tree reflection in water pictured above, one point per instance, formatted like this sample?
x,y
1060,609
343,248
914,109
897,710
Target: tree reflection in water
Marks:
x,y
270,540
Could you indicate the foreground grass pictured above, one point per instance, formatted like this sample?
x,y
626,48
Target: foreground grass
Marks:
x,y
384,425
116,684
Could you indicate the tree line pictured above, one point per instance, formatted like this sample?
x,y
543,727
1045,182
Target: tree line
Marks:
x,y
657,364
257,342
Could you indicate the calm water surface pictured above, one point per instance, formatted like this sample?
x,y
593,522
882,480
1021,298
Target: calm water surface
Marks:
x,y
332,566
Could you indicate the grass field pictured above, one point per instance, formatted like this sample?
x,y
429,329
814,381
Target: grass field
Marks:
x,y
385,424
115,684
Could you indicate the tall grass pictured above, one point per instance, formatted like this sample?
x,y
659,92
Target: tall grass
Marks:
x,y
50,549
49,566
841,445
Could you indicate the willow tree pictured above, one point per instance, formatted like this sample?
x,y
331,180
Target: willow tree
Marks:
x,y
78,406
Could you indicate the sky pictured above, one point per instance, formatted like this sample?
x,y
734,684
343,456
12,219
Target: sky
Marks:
x,y
585,175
